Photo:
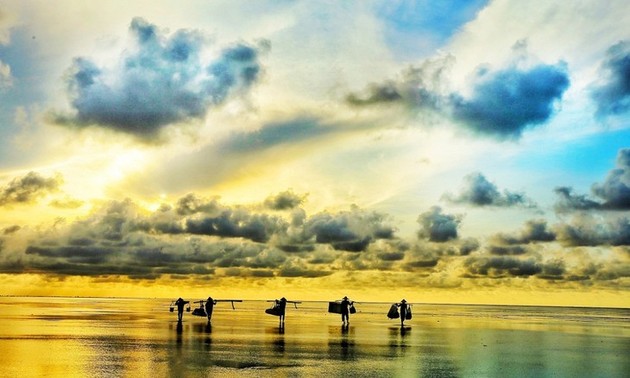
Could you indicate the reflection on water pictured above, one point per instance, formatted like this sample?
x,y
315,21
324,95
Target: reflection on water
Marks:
x,y
123,337
341,343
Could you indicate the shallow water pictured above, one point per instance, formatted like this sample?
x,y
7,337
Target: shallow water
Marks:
x,y
140,337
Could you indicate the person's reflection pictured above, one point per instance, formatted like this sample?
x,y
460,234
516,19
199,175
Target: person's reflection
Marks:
x,y
277,339
208,340
404,331
179,330
204,330
397,342
341,344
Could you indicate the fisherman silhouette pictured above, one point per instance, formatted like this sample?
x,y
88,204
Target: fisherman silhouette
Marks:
x,y
345,310
404,309
279,309
282,307
209,306
180,308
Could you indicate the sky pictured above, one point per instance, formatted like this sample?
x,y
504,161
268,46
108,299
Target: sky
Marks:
x,y
451,152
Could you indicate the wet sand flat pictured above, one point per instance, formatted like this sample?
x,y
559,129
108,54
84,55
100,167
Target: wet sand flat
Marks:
x,y
139,337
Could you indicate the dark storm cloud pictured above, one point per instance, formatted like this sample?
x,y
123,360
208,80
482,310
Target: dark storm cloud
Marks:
x,y
612,194
286,200
534,231
505,102
438,227
162,80
350,230
589,231
391,256
478,191
509,250
612,95
238,223
28,188
553,270
502,266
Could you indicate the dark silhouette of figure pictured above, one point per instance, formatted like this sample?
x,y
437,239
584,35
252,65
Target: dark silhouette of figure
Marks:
x,y
404,307
180,308
279,309
282,307
345,310
209,306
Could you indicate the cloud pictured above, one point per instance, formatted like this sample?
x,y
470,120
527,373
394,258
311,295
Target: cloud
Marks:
x,y
534,231
162,80
350,230
11,229
502,103
506,102
438,227
613,193
123,239
586,230
190,204
478,191
420,87
297,268
28,188
502,266
509,250
612,94
286,200
423,256
568,201
237,223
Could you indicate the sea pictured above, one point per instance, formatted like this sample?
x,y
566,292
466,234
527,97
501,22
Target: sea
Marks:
x,y
131,337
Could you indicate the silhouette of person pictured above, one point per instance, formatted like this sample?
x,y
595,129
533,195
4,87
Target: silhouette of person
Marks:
x,y
403,311
180,308
282,307
209,306
345,310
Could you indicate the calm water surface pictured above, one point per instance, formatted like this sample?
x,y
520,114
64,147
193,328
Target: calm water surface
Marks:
x,y
96,337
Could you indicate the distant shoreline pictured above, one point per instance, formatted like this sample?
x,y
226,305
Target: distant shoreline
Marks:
x,y
326,301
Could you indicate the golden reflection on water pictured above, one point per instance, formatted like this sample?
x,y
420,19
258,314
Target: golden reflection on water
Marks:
x,y
121,337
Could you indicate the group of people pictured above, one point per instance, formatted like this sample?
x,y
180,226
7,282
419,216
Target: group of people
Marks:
x,y
280,305
347,307
209,306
